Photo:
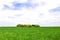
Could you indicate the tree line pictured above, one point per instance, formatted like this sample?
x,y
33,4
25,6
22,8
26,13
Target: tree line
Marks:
x,y
27,25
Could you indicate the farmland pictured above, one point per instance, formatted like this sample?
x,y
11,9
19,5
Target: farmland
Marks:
x,y
26,33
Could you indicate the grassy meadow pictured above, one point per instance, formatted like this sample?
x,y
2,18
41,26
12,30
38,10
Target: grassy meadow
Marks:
x,y
26,33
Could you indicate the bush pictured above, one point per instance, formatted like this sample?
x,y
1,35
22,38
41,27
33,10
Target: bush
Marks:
x,y
27,26
20,25
35,25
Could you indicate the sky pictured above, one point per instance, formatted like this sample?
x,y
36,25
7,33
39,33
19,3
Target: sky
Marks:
x,y
41,12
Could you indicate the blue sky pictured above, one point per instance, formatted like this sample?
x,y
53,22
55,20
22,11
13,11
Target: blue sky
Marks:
x,y
42,12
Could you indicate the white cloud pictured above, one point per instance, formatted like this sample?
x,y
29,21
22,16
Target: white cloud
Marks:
x,y
31,16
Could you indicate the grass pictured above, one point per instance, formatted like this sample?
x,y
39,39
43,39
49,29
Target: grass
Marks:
x,y
37,33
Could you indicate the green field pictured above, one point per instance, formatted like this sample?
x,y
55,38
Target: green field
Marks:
x,y
22,33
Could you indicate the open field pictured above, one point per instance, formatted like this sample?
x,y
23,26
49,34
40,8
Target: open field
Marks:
x,y
33,33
